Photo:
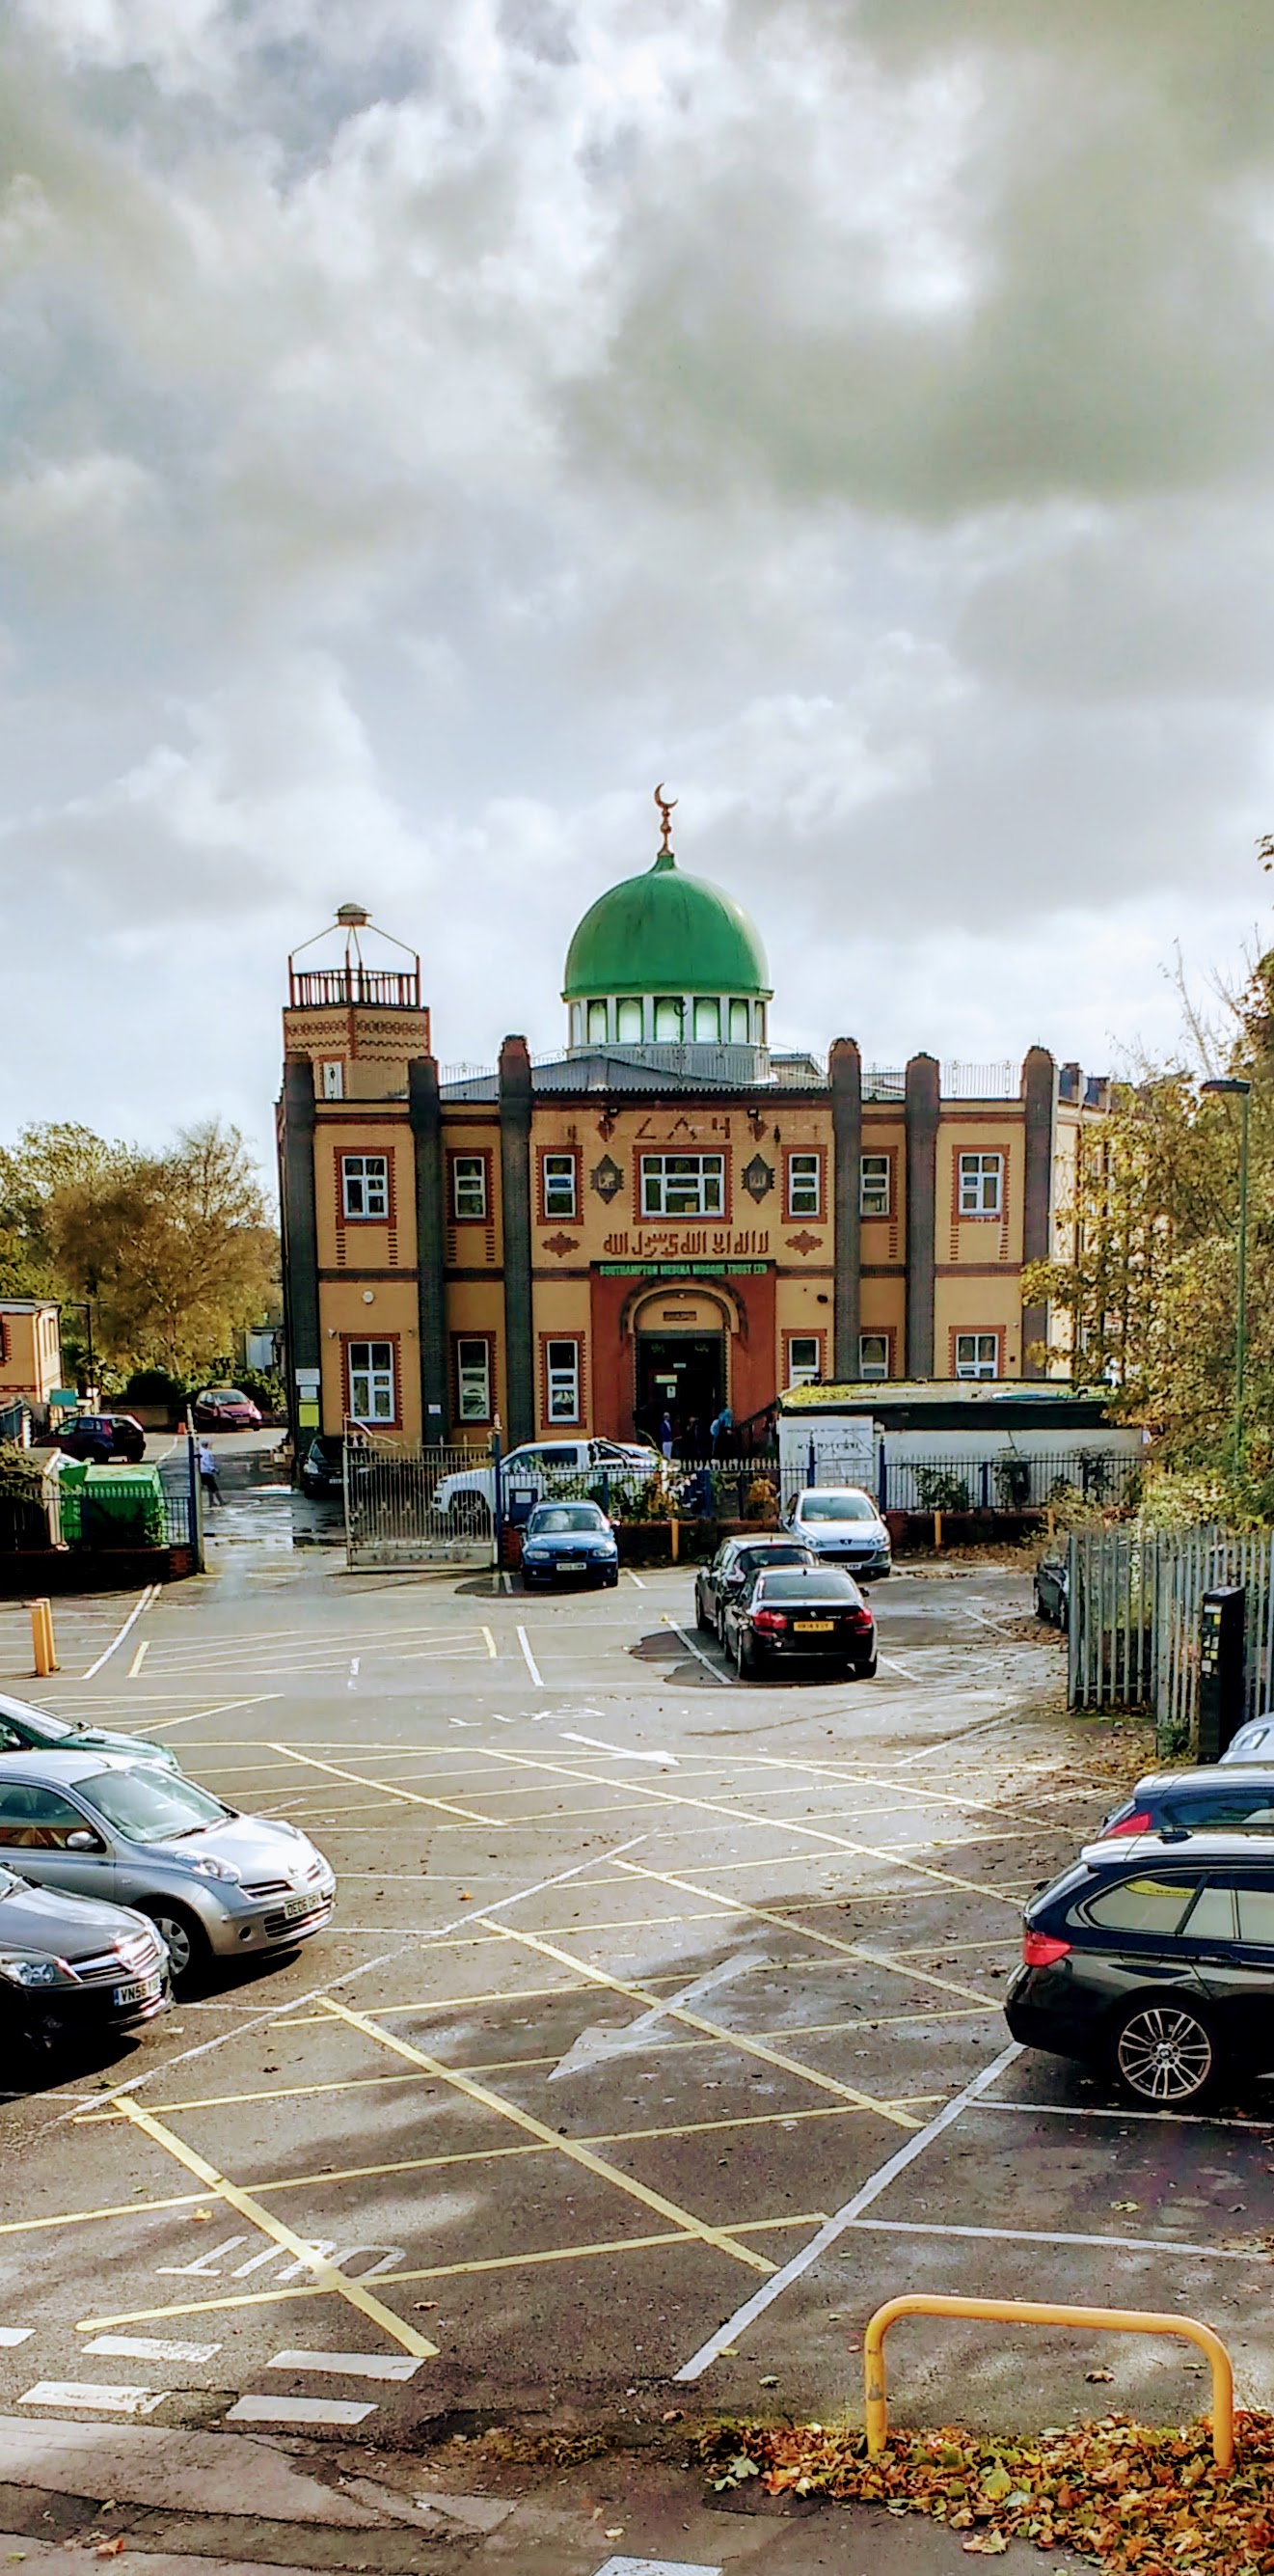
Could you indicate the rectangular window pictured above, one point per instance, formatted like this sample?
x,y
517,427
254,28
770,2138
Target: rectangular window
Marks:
x,y
365,1185
628,1022
473,1381
977,1354
469,1185
669,1013
873,1184
805,1185
333,1080
562,1370
559,1184
707,1021
683,1184
981,1184
873,1355
739,1029
597,1030
371,1381
804,1360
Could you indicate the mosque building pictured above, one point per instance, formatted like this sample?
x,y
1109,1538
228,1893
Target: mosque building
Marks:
x,y
668,1217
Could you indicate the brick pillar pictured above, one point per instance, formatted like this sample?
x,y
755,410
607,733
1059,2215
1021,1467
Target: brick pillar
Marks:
x,y
845,1074
424,1109
922,1111
1039,1092
515,1207
299,1228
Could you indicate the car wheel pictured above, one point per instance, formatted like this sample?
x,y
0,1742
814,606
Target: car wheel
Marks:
x,y
1164,2055
610,1580
189,1950
866,1672
702,1622
744,1659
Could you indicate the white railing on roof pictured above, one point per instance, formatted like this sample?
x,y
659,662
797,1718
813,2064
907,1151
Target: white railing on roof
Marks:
x,y
957,1082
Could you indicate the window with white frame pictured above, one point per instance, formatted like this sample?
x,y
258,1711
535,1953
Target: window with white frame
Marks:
x,y
371,1381
469,1185
332,1077
740,1023
873,1355
981,1184
562,1370
628,1021
682,1184
559,1184
473,1381
804,1185
598,1031
873,1184
707,1019
977,1354
804,1359
365,1185
670,1012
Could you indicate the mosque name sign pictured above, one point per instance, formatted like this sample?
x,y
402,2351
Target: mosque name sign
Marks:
x,y
681,1243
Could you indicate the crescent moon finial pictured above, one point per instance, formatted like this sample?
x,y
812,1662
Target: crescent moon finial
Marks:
x,y
665,805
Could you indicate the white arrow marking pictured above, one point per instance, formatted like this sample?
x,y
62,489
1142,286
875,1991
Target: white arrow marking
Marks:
x,y
622,1752
596,2044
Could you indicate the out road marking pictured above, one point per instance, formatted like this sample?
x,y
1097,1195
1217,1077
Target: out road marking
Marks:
x,y
144,2348
245,2206
737,2041
108,2400
531,1664
623,1752
363,1780
352,2365
844,2217
594,2046
569,2147
150,1594
299,2410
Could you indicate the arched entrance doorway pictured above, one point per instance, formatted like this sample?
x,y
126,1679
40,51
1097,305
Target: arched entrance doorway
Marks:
x,y
681,1342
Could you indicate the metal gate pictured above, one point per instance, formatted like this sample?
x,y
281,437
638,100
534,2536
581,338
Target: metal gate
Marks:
x,y
417,1506
1135,1603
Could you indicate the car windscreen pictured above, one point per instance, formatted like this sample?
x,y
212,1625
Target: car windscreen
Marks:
x,y
750,1558
37,1723
557,1517
150,1806
837,1507
1247,1807
806,1584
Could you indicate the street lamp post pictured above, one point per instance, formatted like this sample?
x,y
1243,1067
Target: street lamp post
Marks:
x,y
84,1307
1234,1089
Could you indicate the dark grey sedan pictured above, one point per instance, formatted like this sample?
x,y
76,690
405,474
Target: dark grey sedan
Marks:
x,y
71,1969
735,1562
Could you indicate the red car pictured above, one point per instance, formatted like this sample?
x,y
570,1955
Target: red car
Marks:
x,y
226,1408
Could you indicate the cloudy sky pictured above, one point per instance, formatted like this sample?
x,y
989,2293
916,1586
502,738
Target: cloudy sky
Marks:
x,y
428,423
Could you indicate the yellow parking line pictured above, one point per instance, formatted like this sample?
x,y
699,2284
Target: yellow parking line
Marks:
x,y
492,1648
568,2147
113,2209
326,2276
411,1797
825,1940
734,2040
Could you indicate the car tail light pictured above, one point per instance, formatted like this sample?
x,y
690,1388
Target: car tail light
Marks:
x,y
1040,1950
859,1619
1136,1824
768,1621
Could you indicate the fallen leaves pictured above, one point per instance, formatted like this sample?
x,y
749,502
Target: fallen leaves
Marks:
x,y
1140,2500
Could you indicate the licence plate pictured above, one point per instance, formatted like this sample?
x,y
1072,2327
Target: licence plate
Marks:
x,y
298,1905
142,1991
807,1627
571,1565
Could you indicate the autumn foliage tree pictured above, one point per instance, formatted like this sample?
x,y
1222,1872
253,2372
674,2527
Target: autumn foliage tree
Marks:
x,y
175,1249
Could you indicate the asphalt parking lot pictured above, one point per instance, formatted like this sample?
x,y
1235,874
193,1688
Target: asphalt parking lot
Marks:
x,y
657,2038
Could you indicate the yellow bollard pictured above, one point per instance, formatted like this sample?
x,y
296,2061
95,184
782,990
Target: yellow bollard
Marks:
x,y
42,1640
937,1530
1031,2312
675,1529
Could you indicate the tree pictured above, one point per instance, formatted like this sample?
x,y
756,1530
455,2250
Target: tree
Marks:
x,y
174,1250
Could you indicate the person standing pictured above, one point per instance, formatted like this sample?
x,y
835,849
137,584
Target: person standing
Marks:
x,y
208,1474
665,1435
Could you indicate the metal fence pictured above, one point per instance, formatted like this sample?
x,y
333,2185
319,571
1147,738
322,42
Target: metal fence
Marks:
x,y
12,1419
1135,1603
1018,1481
417,1506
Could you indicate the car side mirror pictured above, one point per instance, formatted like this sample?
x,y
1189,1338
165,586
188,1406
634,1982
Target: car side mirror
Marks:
x,y
82,1840
1174,1834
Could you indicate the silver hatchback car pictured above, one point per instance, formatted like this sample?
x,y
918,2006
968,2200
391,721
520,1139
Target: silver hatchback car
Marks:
x,y
214,1882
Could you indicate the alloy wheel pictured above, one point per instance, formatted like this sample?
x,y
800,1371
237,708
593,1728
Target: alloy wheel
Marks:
x,y
1165,2054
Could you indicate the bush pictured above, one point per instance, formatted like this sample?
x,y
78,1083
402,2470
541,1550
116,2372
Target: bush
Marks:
x,y
1013,1483
155,1386
938,1490
23,1521
266,1388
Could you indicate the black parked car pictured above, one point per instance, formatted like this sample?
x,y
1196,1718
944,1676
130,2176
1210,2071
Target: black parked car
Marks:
x,y
735,1560
1053,1590
99,1437
1158,1967
74,1969
803,1614
1173,1804
321,1470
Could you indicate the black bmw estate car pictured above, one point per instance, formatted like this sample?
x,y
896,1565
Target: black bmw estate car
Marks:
x,y
1156,1963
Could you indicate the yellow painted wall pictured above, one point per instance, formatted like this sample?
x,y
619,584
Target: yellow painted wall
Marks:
x,y
32,1366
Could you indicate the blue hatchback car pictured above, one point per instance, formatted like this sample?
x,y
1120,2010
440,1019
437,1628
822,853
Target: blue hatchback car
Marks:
x,y
571,1540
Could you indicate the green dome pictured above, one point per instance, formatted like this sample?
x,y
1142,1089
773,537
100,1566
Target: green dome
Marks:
x,y
665,933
